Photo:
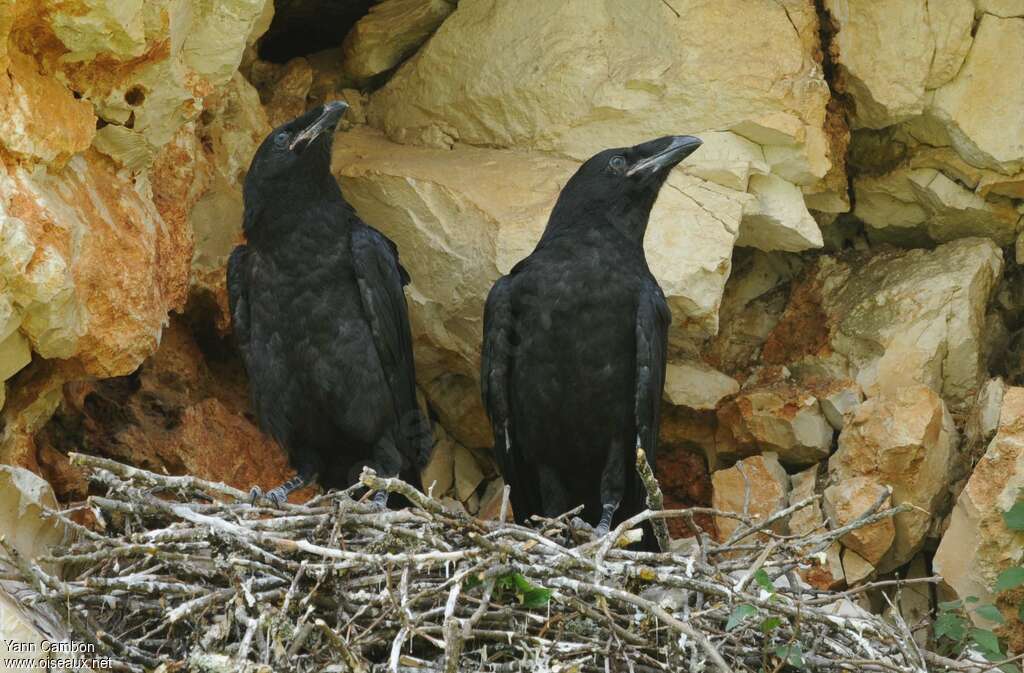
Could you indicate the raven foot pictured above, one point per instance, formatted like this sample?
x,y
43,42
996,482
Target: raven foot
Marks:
x,y
605,524
277,496
380,500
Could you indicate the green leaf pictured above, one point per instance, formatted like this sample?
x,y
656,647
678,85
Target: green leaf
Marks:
x,y
761,577
528,594
1009,668
537,598
987,643
950,625
791,654
1015,517
768,625
991,613
949,606
739,613
1011,578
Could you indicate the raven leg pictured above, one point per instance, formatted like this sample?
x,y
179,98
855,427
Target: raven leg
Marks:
x,y
388,461
613,487
278,495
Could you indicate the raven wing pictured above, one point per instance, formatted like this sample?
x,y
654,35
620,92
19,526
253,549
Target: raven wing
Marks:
x,y
238,296
496,361
381,278
652,320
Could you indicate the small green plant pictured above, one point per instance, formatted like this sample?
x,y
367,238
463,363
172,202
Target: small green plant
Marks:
x,y
527,594
951,624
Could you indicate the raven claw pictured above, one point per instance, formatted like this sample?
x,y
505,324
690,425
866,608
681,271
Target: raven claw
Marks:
x,y
581,525
277,497
379,501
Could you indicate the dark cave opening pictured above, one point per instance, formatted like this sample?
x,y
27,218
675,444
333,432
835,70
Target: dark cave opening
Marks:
x,y
302,27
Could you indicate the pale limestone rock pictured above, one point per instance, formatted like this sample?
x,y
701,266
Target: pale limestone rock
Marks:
x,y
777,217
727,159
1005,8
950,22
754,299
904,439
839,401
804,485
391,31
697,386
885,50
146,66
531,74
850,498
828,572
768,488
923,204
490,501
468,474
977,546
983,421
781,418
982,108
234,127
60,231
288,91
456,401
24,497
856,568
14,355
463,217
889,318
438,476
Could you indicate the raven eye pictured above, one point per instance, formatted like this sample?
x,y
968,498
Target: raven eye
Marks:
x,y
281,139
618,163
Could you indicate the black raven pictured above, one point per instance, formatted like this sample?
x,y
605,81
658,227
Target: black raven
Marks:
x,y
319,314
575,338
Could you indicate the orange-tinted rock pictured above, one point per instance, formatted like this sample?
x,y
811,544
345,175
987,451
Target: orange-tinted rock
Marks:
x,y
849,499
887,318
39,116
91,263
978,545
179,413
781,417
685,482
759,476
826,571
905,440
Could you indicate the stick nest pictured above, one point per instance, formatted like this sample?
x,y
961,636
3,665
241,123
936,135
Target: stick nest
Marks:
x,y
183,574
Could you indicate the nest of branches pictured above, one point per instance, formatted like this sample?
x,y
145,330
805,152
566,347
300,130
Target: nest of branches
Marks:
x,y
178,573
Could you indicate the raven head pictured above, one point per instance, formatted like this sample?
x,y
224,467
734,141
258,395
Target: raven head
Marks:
x,y
295,154
621,185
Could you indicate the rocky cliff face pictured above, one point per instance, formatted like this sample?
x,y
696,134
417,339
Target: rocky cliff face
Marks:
x,y
840,256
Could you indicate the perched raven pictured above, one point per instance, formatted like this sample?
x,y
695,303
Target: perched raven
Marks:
x,y
574,348
319,314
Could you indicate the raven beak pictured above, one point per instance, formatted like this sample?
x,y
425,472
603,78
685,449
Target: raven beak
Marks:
x,y
327,121
680,148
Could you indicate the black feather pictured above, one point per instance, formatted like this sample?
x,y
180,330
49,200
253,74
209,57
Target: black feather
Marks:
x,y
320,318
575,343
